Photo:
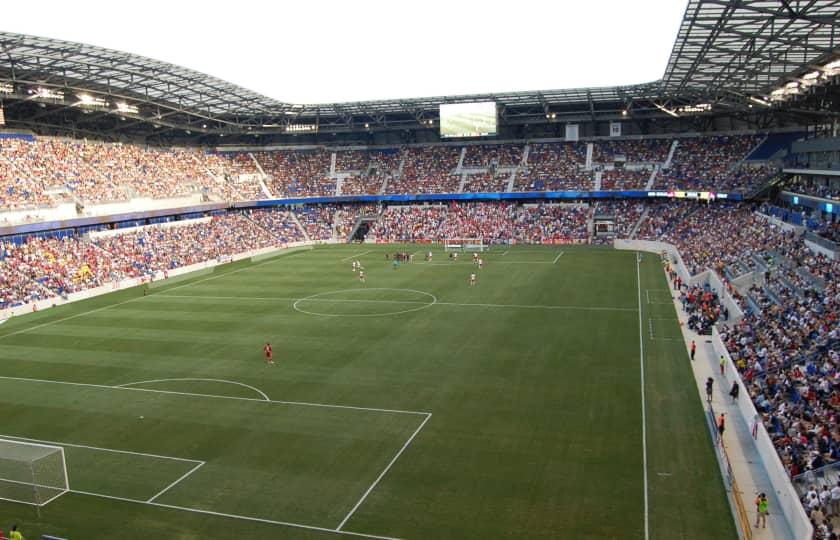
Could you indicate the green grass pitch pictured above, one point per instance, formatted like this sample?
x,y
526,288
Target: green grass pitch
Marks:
x,y
410,406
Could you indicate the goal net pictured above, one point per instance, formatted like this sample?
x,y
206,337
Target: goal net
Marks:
x,y
464,244
32,473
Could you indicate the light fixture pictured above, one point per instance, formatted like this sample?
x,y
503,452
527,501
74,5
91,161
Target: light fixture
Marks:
x,y
129,109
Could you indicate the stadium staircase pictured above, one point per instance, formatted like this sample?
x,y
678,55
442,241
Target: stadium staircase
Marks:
x,y
590,151
670,158
639,222
397,176
598,176
652,180
463,180
511,180
461,160
300,226
263,176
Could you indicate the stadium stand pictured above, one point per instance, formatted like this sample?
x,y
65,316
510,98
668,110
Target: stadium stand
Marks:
x,y
710,163
428,169
302,173
555,167
494,223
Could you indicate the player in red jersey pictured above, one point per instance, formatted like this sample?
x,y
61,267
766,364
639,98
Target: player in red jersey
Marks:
x,y
269,355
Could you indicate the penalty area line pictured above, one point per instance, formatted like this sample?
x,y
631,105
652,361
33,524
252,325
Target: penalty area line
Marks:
x,y
382,474
175,483
557,257
232,516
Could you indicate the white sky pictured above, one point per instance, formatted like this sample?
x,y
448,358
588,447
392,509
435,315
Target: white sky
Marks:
x,y
330,51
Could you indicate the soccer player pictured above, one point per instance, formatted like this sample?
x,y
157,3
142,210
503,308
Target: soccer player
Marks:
x,y
429,256
14,534
269,355
472,279
362,276
355,266
480,264
475,258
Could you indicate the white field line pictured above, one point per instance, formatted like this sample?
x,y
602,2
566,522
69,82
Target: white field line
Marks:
x,y
642,386
257,390
173,484
56,321
505,253
557,257
647,293
215,276
142,454
450,263
382,474
54,497
214,396
345,259
234,516
40,503
372,301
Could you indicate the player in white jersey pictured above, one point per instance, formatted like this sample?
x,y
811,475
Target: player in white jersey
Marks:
x,y
475,257
429,256
472,280
480,264
355,266
362,276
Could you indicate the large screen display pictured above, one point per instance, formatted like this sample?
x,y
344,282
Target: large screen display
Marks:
x,y
468,119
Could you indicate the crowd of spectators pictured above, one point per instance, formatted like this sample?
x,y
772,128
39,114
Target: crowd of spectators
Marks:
x,y
555,167
35,172
709,164
491,222
485,155
825,187
486,183
278,222
625,214
787,347
621,178
632,151
297,173
427,169
240,176
40,268
702,306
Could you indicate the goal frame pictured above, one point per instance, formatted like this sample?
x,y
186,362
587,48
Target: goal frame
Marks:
x,y
38,502
464,244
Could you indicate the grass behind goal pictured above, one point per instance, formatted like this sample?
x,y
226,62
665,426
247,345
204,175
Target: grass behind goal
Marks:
x,y
531,378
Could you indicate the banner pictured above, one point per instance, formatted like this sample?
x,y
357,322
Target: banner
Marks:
x,y
572,132
615,129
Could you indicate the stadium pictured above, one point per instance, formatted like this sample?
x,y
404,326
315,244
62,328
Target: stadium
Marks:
x,y
606,312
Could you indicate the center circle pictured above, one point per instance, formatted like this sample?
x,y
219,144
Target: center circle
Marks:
x,y
372,302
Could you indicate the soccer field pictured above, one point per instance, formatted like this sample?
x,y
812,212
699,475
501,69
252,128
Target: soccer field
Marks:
x,y
410,406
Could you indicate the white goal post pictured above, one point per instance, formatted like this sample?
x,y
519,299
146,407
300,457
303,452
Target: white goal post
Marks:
x,y
464,244
31,473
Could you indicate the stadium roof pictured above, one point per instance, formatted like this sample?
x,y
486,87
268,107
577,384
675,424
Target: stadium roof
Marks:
x,y
726,52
